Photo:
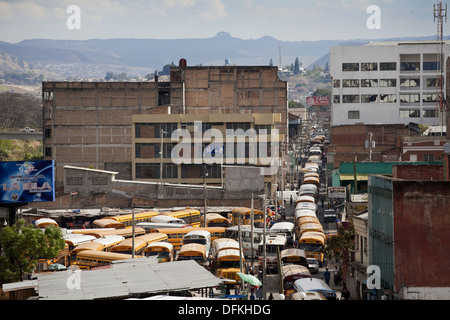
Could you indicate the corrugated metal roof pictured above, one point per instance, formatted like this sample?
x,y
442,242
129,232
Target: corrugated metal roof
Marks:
x,y
131,278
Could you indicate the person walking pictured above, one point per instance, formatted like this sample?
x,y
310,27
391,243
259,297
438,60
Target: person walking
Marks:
x,y
326,276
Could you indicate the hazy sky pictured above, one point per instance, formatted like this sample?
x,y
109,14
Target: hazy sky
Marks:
x,y
288,20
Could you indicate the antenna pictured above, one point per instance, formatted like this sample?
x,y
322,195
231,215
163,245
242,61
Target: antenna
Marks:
x,y
439,14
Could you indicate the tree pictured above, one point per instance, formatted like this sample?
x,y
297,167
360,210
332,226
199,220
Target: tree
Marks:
x,y
296,66
19,111
340,245
21,247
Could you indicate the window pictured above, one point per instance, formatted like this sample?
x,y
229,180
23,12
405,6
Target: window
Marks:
x,y
75,181
431,66
48,95
369,98
350,67
337,84
409,98
47,133
99,181
337,99
387,83
350,83
430,113
388,98
433,82
259,128
388,66
409,83
430,97
48,152
353,115
410,66
410,113
373,66
350,98
428,157
369,83
238,125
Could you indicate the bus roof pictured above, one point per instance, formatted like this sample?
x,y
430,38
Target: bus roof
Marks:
x,y
92,245
293,252
203,233
44,222
282,227
108,223
228,253
163,218
76,240
225,243
161,244
311,284
98,233
111,256
195,249
109,240
293,269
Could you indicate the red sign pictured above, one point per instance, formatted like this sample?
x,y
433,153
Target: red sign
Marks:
x,y
317,101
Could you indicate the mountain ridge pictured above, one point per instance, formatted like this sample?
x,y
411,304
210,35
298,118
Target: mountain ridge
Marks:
x,y
91,57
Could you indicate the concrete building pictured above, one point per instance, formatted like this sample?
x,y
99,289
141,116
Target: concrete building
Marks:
x,y
388,83
213,142
89,124
408,236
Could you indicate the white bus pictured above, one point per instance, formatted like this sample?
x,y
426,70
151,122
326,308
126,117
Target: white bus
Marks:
x,y
162,218
286,228
274,242
200,237
246,237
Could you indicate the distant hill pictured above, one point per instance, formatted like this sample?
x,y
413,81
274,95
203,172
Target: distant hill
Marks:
x,y
82,59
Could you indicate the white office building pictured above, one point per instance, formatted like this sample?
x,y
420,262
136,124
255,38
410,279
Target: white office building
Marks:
x,y
388,83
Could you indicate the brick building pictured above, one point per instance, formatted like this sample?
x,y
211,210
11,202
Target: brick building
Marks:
x,y
89,124
408,235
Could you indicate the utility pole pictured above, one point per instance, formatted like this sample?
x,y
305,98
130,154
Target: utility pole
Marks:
x,y
161,154
440,13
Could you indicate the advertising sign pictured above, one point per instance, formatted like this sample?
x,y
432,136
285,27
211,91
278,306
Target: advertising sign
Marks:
x,y
27,181
317,101
336,192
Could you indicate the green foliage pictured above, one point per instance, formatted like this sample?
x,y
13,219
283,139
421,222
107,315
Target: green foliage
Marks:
x,y
17,150
22,246
338,246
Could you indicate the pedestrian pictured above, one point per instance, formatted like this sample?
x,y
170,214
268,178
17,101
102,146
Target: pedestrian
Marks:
x,y
271,296
291,201
345,294
326,276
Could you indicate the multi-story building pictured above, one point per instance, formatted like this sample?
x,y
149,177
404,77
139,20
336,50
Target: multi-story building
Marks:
x,y
197,144
388,83
89,124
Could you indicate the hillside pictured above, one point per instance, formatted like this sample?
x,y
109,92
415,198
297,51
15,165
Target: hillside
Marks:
x,y
84,59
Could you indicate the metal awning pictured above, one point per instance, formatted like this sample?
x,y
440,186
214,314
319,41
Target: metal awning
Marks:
x,y
127,279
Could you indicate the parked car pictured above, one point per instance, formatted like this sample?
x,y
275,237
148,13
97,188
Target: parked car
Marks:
x,y
27,129
313,265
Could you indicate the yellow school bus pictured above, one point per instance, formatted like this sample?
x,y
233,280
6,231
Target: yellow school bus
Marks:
x,y
140,243
190,216
125,220
164,251
313,243
175,235
193,251
88,259
244,215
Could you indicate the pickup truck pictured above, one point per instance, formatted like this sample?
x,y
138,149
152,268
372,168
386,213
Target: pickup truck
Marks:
x,y
27,129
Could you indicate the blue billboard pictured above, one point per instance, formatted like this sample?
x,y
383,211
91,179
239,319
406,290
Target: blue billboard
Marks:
x,y
27,181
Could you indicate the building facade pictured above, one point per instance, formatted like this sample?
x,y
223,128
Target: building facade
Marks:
x,y
388,82
196,147
89,124
408,237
